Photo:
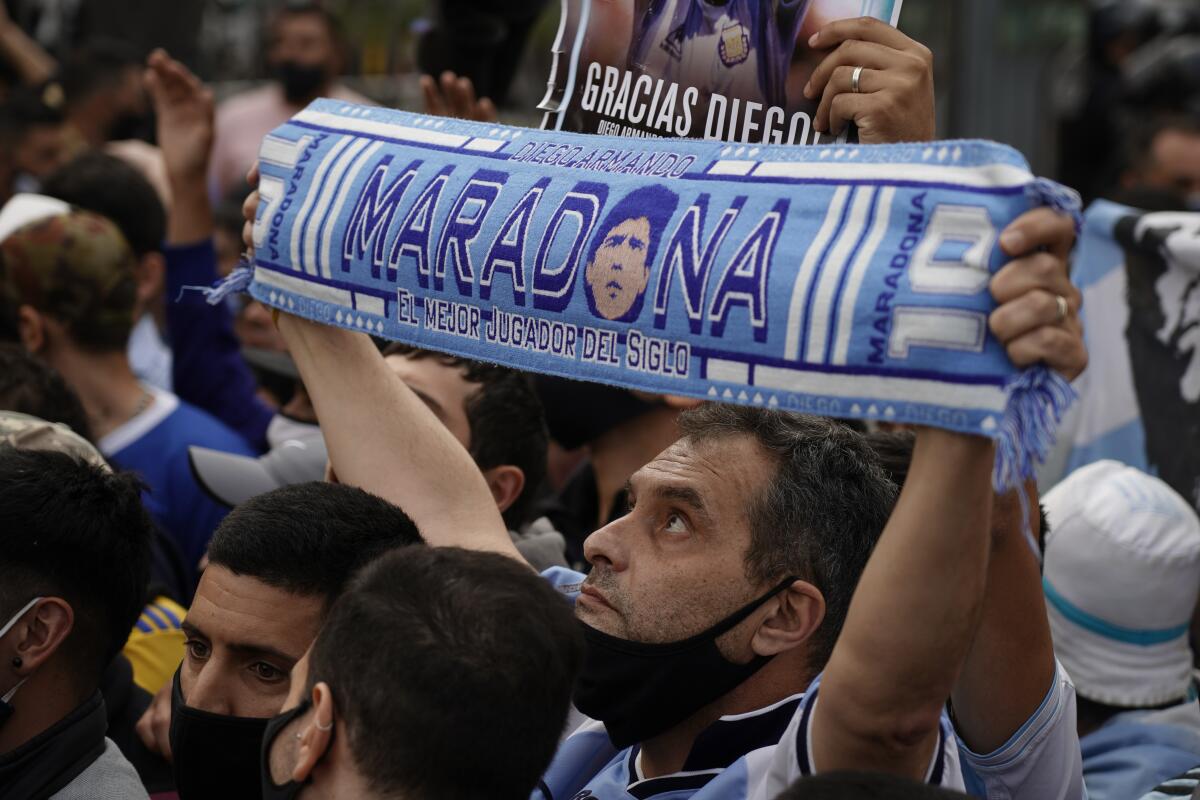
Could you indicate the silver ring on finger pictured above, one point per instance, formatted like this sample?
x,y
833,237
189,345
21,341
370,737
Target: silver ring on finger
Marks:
x,y
1064,308
856,80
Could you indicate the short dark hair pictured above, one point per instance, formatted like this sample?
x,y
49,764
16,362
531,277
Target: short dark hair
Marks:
x,y
309,538
864,786
73,530
507,421
31,386
22,111
430,644
95,68
301,8
821,513
103,184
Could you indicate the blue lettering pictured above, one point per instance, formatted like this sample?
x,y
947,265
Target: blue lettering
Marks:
x,y
507,252
746,275
413,239
373,214
553,284
683,257
463,226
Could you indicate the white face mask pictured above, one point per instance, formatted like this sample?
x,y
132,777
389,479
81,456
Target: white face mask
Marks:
x,y
7,627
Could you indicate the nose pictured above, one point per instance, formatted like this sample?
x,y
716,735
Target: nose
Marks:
x,y
608,546
207,690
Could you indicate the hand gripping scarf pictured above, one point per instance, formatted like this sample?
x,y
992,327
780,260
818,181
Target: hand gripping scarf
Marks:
x,y
845,281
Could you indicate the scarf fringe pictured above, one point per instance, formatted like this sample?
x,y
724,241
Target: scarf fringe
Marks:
x,y
234,283
1037,400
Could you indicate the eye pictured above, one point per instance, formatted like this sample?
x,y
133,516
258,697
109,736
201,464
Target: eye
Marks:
x,y
636,244
676,524
196,649
267,673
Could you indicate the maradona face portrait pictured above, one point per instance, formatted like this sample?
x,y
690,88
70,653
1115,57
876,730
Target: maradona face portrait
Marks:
x,y
621,259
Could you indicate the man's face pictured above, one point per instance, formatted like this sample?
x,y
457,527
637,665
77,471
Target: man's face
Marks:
x,y
243,638
444,389
617,275
675,564
1176,162
40,151
284,752
303,39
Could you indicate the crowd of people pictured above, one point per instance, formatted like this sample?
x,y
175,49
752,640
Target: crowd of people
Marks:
x,y
246,555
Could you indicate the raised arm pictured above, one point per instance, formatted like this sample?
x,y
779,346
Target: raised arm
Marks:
x,y
1010,671
26,56
383,439
912,617
208,368
888,715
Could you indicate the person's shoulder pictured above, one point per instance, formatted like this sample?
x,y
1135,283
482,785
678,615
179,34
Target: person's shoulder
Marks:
x,y
109,777
190,425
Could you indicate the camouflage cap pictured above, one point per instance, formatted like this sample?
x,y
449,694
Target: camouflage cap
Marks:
x,y
77,268
30,433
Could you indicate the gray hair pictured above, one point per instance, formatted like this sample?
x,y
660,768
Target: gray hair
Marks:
x,y
821,513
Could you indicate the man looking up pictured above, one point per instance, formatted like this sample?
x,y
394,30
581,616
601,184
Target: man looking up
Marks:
x,y
699,612
425,647
276,565
74,561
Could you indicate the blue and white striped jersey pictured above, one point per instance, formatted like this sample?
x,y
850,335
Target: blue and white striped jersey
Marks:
x,y
758,754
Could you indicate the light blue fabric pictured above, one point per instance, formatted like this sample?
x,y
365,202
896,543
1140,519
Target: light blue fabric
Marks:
x,y
848,281
1127,757
1144,637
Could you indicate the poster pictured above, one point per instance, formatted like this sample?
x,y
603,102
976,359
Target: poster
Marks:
x,y
1139,400
732,70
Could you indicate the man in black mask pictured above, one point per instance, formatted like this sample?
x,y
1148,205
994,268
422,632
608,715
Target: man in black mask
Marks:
x,y
276,565
74,563
429,647
304,59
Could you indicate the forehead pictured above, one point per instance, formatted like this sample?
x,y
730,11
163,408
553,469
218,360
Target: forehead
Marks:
x,y
631,226
302,26
448,386
238,609
724,472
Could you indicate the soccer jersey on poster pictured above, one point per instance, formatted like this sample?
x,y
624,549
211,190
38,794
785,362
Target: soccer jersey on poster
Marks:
x,y
740,48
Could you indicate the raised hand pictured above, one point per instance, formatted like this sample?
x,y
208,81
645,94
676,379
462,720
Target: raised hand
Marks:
x,y
1038,317
894,101
184,110
453,96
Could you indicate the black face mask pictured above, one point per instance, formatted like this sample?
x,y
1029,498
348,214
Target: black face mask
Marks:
x,y
640,690
300,82
270,789
215,756
130,125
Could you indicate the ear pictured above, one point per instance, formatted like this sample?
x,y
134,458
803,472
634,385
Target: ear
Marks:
x,y
795,614
681,403
41,633
31,328
589,271
317,734
506,482
149,274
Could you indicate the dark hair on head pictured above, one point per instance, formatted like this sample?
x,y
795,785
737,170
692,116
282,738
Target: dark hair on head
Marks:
x,y
864,786
430,644
1138,134
895,451
106,185
72,530
98,66
30,386
507,421
301,8
309,538
23,110
821,513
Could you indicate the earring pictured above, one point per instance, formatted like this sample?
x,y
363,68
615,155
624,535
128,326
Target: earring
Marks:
x,y
17,662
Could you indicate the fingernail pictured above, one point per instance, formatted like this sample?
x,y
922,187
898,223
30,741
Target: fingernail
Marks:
x,y
812,40
1013,242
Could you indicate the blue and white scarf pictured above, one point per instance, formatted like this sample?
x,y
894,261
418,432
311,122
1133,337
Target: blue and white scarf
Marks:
x,y
846,281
